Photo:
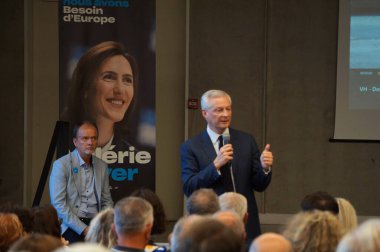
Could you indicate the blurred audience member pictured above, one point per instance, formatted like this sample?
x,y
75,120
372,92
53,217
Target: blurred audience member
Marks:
x,y
365,238
36,243
233,221
203,201
45,221
320,201
235,202
24,214
347,215
181,227
314,231
100,230
270,242
204,234
83,247
159,216
133,223
11,230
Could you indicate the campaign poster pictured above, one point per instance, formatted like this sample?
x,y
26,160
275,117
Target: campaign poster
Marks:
x,y
107,74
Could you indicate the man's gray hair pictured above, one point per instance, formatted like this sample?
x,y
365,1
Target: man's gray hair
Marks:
x,y
233,221
204,234
132,215
203,201
213,93
232,201
180,231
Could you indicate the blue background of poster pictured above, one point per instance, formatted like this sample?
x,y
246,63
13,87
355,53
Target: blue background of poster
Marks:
x,y
134,26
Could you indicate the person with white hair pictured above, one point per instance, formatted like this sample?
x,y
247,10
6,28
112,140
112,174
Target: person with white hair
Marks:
x,y
234,202
365,238
225,159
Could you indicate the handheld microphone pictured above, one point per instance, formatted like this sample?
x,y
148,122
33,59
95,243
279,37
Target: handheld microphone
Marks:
x,y
226,140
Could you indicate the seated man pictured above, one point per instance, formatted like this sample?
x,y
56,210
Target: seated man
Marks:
x,y
79,184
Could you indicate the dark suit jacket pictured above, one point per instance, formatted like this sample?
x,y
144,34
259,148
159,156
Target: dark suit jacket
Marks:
x,y
198,171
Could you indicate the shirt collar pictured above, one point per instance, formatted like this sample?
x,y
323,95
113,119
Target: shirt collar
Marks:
x,y
81,161
214,136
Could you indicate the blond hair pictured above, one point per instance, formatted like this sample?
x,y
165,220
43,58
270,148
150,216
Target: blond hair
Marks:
x,y
315,231
347,215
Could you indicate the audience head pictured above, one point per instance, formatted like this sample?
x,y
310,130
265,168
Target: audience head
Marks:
x,y
24,214
45,221
181,227
203,201
347,215
233,221
133,216
234,202
270,242
10,230
100,230
314,231
36,243
366,238
204,234
320,201
83,247
159,223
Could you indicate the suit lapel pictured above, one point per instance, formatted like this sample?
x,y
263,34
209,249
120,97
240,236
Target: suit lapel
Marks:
x,y
76,170
207,146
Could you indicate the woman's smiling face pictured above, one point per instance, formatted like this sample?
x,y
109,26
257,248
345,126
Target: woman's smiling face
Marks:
x,y
113,89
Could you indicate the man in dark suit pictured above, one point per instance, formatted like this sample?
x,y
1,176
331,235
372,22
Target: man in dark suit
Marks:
x,y
235,166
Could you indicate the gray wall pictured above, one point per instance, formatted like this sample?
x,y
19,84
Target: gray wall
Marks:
x,y
276,58
278,61
12,101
